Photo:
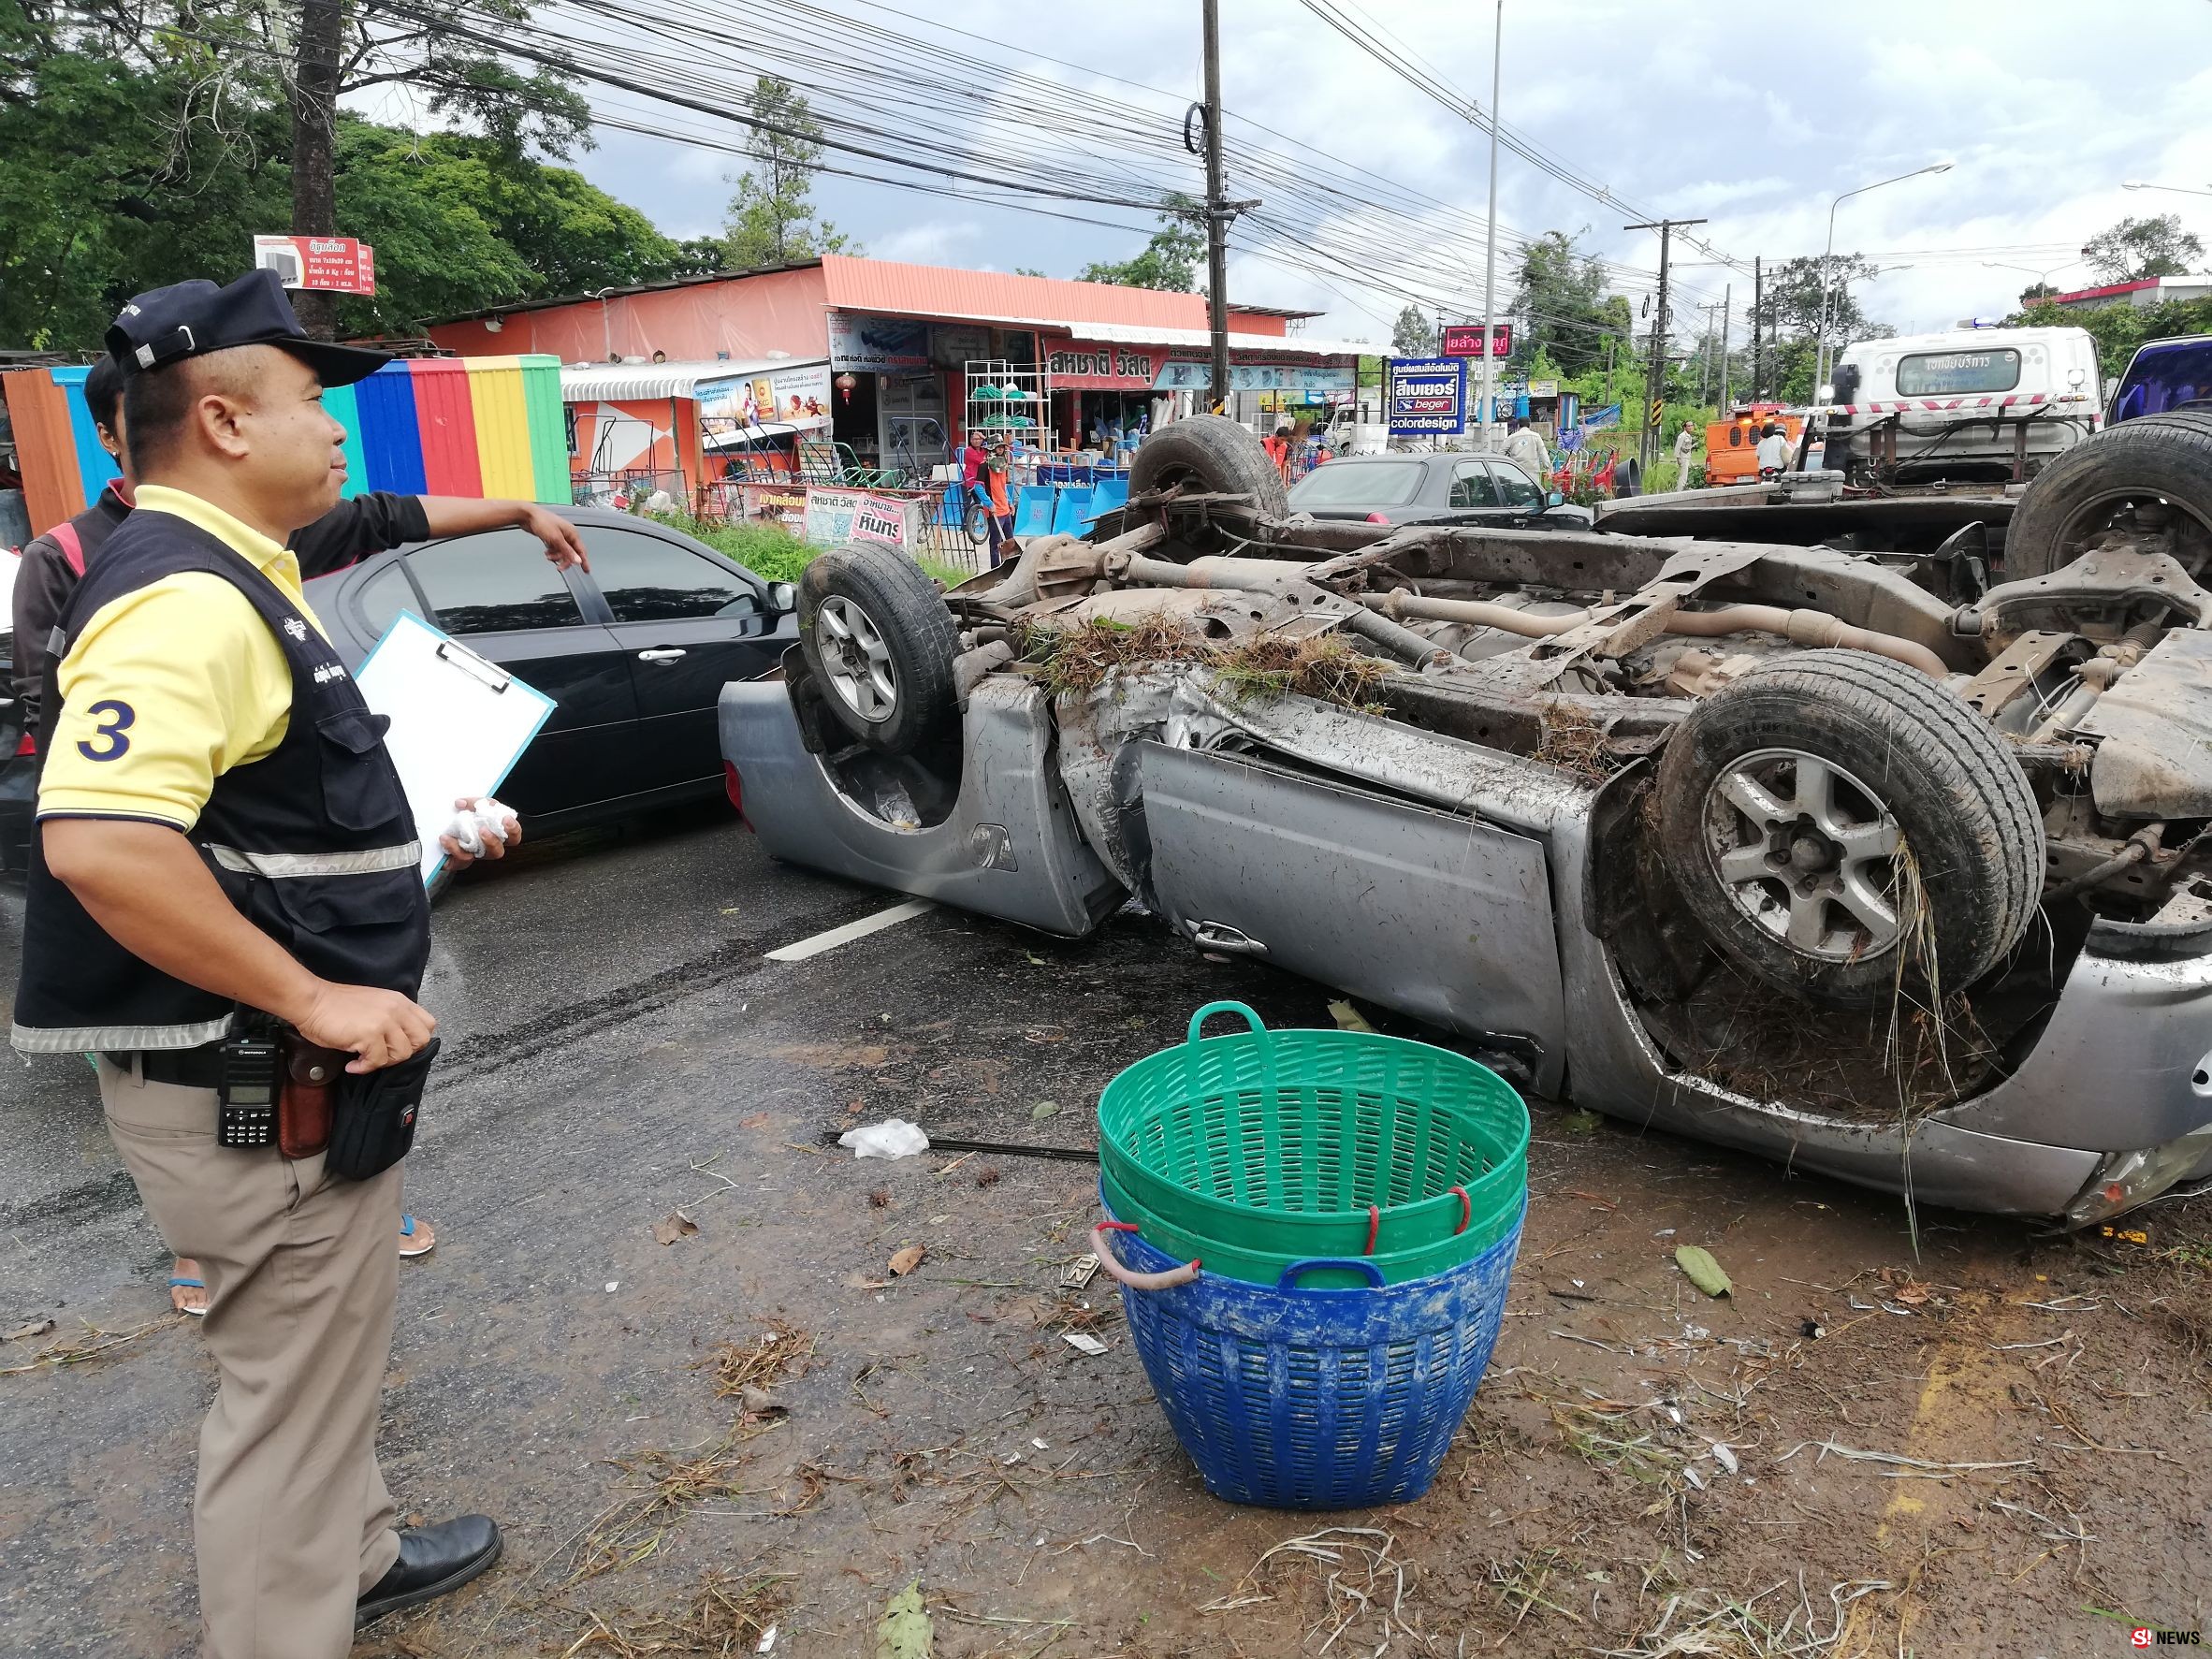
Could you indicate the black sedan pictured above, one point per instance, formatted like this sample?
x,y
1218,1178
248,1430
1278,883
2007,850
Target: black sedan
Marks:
x,y
634,652
1438,488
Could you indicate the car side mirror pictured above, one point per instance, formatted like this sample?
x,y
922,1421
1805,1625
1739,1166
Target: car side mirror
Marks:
x,y
1554,499
783,597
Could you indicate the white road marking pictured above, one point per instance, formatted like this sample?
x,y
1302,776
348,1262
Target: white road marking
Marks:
x,y
819,942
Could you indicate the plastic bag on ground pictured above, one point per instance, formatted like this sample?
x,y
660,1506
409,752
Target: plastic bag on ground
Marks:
x,y
893,1138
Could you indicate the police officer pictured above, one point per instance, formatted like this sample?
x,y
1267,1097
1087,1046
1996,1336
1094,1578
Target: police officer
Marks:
x,y
220,833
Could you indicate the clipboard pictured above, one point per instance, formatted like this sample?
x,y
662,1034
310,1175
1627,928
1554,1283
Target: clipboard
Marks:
x,y
459,722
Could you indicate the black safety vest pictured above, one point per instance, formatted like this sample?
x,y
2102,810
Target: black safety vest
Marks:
x,y
314,842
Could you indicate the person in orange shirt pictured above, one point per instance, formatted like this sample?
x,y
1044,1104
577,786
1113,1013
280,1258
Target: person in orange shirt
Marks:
x,y
998,513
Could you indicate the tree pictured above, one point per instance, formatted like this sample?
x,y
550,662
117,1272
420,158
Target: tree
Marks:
x,y
1791,318
1563,309
2135,249
772,219
120,177
1169,260
1413,335
1027,271
458,224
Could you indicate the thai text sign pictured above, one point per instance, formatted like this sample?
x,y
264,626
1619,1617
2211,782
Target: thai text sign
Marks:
x,y
1256,377
796,396
836,517
333,264
1101,368
1428,395
1465,340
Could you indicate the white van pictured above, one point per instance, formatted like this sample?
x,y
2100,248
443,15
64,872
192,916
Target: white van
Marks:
x,y
1966,403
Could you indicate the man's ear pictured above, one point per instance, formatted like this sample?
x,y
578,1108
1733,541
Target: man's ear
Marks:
x,y
219,415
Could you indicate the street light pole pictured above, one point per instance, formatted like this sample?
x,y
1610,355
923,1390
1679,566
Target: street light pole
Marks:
x,y
1820,344
1217,213
2168,189
1490,256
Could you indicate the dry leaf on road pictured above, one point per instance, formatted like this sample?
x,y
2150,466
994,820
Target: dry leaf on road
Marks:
x,y
673,1227
908,1259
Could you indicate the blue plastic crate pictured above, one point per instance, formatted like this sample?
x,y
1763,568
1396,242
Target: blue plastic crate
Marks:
x,y
1296,1399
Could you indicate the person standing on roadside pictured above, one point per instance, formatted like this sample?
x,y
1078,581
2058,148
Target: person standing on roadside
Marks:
x,y
222,849
1685,447
54,563
998,506
1526,448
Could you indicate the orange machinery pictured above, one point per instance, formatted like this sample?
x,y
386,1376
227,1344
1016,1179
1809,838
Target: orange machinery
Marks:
x,y
1731,446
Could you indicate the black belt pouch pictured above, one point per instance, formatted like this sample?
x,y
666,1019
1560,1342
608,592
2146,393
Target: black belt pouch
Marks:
x,y
373,1116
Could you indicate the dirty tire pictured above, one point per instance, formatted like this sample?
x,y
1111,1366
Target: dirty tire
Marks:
x,y
1209,452
2164,456
1902,745
880,642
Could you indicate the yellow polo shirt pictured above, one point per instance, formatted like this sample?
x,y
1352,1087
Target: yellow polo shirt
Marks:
x,y
166,688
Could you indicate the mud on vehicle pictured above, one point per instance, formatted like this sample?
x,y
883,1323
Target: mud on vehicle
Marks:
x,y
1848,859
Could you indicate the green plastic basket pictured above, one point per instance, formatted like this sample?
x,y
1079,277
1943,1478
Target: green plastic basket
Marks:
x,y
1316,1142
1264,1267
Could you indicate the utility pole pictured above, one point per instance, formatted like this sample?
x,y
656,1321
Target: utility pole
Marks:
x,y
1705,351
1759,366
1608,368
1655,372
1490,255
1217,213
1728,295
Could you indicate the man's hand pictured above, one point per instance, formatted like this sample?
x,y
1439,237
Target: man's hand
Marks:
x,y
563,547
496,842
378,1028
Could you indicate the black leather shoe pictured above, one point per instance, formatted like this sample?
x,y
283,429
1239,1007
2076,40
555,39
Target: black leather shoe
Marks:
x,y
432,1560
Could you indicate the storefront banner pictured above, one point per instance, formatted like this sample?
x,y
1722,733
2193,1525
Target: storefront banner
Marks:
x,y
834,516
1465,340
1180,376
1428,395
798,396
1543,388
331,264
779,503
877,343
1088,368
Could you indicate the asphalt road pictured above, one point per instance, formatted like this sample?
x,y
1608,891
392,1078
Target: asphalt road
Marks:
x,y
619,1045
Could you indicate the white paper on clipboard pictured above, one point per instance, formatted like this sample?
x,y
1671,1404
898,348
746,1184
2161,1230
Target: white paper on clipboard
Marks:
x,y
459,722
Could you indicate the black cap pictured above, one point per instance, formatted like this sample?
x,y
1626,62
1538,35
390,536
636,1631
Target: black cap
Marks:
x,y
192,319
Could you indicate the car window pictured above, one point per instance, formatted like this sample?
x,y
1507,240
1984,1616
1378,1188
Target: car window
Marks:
x,y
493,583
384,596
646,579
1358,484
1471,486
1928,374
1514,487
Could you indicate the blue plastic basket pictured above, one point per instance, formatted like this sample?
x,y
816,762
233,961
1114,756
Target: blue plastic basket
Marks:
x,y
1298,1399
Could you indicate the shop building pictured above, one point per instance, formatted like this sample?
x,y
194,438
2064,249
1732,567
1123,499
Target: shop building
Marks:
x,y
906,348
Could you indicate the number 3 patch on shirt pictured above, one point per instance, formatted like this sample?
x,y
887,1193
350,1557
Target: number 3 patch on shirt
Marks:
x,y
108,742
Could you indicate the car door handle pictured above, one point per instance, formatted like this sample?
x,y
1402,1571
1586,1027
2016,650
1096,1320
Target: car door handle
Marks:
x,y
1220,936
663,654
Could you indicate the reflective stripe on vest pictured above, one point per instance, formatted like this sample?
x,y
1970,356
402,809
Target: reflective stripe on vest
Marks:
x,y
80,1039
404,856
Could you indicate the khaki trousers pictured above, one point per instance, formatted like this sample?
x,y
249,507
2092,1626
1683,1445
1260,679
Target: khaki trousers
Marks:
x,y
291,1521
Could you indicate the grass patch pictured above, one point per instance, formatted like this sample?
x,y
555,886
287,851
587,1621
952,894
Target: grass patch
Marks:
x,y
772,552
1325,667
1574,742
727,1615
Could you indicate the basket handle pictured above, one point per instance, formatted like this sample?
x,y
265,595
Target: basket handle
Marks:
x,y
1349,1263
1137,1281
1251,1019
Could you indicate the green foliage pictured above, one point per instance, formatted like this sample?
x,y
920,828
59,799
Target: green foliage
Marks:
x,y
2118,329
2137,249
1565,314
136,156
772,219
1170,261
772,552
458,224
1413,335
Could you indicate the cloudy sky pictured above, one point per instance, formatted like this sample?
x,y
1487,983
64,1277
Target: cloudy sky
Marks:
x,y
1751,117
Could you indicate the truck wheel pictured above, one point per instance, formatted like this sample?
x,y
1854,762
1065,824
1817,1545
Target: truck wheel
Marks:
x,y
1802,805
2161,462
1211,453
875,634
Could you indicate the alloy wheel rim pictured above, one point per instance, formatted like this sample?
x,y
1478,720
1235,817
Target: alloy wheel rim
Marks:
x,y
856,660
1807,853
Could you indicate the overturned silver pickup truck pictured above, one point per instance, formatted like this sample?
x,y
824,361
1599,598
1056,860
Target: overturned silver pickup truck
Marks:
x,y
1839,858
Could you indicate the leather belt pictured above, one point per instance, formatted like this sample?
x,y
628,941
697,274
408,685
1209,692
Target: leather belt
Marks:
x,y
186,1068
